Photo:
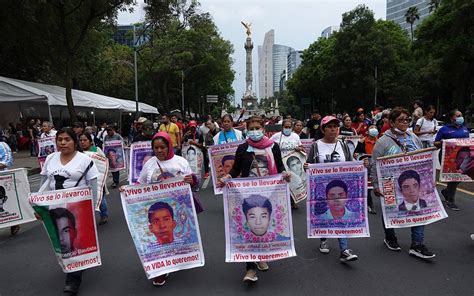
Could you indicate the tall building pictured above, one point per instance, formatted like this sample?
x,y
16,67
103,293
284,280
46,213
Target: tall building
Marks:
x,y
265,66
326,33
280,65
124,35
294,62
396,10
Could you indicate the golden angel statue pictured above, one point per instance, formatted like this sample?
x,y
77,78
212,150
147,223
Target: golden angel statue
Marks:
x,y
247,26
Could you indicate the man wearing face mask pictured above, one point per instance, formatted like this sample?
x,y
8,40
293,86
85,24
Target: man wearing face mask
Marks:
x,y
453,130
395,141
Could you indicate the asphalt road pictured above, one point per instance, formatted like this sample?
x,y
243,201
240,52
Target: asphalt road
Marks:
x,y
28,265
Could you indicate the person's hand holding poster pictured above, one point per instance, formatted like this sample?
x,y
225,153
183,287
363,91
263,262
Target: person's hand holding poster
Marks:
x,y
221,160
162,220
407,182
258,224
337,202
68,217
457,162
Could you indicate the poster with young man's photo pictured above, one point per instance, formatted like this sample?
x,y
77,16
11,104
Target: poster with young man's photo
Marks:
x,y
294,166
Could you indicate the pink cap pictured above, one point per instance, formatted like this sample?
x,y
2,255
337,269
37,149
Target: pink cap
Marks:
x,y
192,123
328,119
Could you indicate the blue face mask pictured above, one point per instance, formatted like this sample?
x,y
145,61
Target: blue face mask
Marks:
x,y
286,131
460,120
373,132
255,135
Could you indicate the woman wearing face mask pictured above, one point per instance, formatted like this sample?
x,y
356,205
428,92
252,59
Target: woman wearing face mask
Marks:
x,y
65,169
228,134
325,150
288,143
346,128
165,164
298,129
258,156
88,147
395,141
453,130
365,147
425,127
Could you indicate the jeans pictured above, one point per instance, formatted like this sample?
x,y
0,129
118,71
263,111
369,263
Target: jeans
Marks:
x,y
343,244
417,234
370,202
116,177
103,207
206,162
74,278
33,151
451,191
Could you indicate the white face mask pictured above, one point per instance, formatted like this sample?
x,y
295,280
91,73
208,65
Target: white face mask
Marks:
x,y
373,132
255,135
286,131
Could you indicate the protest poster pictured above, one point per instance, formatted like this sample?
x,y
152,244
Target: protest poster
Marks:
x,y
115,154
164,227
337,202
14,206
140,153
195,158
407,182
68,217
457,161
221,161
294,166
102,165
307,143
46,146
258,223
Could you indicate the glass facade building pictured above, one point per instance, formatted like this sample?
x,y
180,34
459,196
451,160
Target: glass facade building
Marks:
x,y
396,10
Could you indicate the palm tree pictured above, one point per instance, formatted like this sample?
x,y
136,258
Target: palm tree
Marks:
x,y
411,16
434,4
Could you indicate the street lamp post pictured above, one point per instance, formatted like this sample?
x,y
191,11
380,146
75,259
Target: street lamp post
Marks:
x,y
136,73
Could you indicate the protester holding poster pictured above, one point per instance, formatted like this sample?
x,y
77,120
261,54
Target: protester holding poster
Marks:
x,y
100,161
48,131
228,134
258,226
113,149
68,168
298,129
162,166
140,153
326,150
290,143
395,141
192,148
258,156
46,146
453,130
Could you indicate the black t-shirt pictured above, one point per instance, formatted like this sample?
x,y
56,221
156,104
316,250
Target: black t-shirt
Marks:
x,y
314,129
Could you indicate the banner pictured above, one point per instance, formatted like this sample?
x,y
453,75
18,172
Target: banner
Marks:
x,y
457,162
114,152
294,166
14,206
140,153
195,158
102,165
46,146
221,161
337,203
258,224
407,182
162,221
68,217
307,143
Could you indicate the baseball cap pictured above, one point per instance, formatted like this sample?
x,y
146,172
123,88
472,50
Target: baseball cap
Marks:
x,y
192,123
141,120
328,119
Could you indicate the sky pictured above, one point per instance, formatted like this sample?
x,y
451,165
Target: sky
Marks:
x,y
297,23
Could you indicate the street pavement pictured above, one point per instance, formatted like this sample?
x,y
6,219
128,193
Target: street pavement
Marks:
x,y
29,267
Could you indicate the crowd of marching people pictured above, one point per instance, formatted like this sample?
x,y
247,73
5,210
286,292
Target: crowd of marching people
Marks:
x,y
381,132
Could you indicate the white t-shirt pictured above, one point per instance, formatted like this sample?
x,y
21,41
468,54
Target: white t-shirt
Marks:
x,y
66,176
287,143
325,150
427,126
174,167
52,133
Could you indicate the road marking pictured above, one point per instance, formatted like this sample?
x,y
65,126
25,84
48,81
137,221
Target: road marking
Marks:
x,y
459,189
206,182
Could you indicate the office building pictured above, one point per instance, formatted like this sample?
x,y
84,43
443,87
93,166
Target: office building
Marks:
x,y
294,62
265,66
280,65
396,10
124,35
326,33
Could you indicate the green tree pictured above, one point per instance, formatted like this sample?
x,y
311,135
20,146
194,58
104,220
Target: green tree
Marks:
x,y
411,16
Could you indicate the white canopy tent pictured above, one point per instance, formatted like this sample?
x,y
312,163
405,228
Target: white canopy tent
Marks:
x,y
30,99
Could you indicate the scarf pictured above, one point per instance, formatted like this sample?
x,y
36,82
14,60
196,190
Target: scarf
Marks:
x,y
265,144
